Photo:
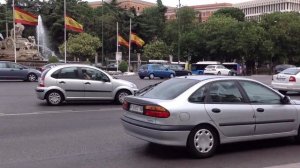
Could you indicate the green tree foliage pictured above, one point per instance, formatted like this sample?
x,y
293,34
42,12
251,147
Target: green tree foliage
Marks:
x,y
53,59
235,13
123,66
82,46
156,50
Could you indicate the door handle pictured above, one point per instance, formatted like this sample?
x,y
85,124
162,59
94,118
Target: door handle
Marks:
x,y
216,110
260,110
62,82
87,83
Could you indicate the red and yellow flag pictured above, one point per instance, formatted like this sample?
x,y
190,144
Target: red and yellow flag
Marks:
x,y
25,17
122,41
136,40
71,24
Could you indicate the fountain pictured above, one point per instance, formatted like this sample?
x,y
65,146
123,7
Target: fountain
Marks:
x,y
26,47
42,40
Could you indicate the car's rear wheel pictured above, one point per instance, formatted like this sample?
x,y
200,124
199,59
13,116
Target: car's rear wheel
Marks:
x,y
120,96
54,98
32,77
142,77
171,75
161,77
151,76
203,142
282,91
219,73
189,74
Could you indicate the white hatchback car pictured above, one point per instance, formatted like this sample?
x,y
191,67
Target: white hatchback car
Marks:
x,y
81,82
217,70
287,80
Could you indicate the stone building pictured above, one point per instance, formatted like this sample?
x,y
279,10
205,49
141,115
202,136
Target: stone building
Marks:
x,y
255,9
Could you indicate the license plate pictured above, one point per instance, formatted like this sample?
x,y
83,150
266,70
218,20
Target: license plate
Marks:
x,y
281,79
136,108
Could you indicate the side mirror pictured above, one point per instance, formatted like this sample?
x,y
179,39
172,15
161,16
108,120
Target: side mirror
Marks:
x,y
105,79
286,100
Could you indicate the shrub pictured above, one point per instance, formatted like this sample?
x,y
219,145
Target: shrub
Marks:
x,y
123,66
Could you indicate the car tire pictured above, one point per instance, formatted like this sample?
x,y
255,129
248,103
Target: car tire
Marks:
x,y
151,76
31,77
203,142
54,98
219,73
189,74
172,75
119,99
282,92
161,78
142,77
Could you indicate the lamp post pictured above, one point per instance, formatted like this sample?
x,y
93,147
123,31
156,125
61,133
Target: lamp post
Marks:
x,y
102,34
179,31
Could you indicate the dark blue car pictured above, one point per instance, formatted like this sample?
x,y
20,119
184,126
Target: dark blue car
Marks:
x,y
155,70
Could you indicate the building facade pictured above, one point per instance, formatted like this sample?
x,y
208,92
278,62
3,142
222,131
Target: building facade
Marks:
x,y
255,9
138,5
203,11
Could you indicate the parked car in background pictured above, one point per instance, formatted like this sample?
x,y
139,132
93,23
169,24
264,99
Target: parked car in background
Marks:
x,y
155,70
279,68
81,82
235,68
42,68
201,112
179,70
217,70
14,71
198,68
287,80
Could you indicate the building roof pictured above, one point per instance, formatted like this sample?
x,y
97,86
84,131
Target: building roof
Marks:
x,y
261,2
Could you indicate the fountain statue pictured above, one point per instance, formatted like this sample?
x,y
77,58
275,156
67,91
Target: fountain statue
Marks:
x,y
26,47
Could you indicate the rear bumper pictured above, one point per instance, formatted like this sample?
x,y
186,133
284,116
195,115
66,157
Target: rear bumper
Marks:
x,y
285,86
164,135
40,93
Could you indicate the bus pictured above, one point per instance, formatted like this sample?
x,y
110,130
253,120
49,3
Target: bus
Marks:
x,y
198,68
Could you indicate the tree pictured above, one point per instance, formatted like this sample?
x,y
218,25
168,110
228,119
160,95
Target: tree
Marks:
x,y
53,59
123,66
235,13
82,46
156,50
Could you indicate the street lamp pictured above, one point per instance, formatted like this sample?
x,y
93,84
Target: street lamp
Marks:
x,y
102,34
179,31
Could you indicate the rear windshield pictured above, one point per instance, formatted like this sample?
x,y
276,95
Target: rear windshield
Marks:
x,y
210,66
44,73
290,71
170,89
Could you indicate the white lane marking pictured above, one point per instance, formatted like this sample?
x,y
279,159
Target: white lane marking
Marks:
x,y
294,165
58,112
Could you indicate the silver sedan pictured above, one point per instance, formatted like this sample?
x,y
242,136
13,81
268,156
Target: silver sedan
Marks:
x,y
201,112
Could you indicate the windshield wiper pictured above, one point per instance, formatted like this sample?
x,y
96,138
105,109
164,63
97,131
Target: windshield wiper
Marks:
x,y
146,89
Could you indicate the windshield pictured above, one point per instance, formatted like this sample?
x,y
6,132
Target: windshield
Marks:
x,y
290,71
169,89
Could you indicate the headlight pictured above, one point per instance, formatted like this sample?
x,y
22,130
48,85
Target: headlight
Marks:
x,y
133,86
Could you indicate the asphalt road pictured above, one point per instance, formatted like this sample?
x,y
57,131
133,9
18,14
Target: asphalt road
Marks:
x,y
90,135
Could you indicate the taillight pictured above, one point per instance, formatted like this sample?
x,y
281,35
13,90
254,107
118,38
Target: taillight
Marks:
x,y
42,82
126,105
156,111
292,79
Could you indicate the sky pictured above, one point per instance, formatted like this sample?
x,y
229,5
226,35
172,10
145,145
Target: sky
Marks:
x,y
185,2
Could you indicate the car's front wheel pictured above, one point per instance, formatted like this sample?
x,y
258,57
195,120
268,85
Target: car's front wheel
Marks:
x,y
120,96
142,77
203,142
171,75
151,76
54,98
32,77
219,73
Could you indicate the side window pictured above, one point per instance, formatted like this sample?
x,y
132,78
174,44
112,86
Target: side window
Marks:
x,y
54,74
15,66
260,94
3,65
225,92
92,74
155,67
69,73
199,95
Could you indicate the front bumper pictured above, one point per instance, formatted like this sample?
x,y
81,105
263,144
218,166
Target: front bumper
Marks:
x,y
164,135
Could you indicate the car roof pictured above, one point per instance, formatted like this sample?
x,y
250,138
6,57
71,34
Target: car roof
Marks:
x,y
208,77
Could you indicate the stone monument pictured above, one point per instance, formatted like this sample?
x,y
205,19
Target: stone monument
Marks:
x,y
26,47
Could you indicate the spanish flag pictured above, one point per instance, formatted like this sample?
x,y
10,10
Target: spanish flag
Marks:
x,y
136,40
122,41
25,17
71,24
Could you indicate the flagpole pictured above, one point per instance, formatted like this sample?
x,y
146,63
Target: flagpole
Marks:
x,y
65,30
117,54
15,47
129,45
